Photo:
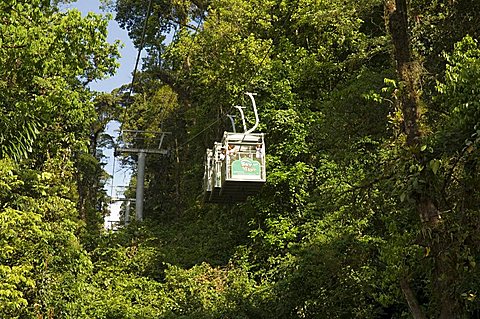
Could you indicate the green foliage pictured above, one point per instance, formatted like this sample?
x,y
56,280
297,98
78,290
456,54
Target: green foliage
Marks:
x,y
459,94
42,261
335,228
46,59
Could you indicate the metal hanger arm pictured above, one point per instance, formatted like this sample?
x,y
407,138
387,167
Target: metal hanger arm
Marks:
x,y
257,120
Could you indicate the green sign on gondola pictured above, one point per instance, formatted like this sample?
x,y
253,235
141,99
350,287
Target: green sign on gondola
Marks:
x,y
246,168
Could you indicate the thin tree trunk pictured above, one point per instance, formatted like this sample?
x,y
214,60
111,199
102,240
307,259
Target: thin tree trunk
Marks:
x,y
412,301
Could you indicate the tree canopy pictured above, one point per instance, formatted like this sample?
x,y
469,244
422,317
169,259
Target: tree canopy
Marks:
x,y
370,115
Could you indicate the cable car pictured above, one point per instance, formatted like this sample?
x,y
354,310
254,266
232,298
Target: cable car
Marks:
x,y
215,174
235,168
243,170
207,177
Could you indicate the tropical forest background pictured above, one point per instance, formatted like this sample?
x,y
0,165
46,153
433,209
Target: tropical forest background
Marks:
x,y
371,113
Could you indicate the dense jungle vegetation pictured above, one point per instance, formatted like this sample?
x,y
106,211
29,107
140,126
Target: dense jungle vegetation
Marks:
x,y
371,113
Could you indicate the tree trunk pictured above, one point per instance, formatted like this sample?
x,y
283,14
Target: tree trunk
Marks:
x,y
409,74
408,70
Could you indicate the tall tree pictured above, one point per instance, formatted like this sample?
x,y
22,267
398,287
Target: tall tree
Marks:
x,y
426,198
47,59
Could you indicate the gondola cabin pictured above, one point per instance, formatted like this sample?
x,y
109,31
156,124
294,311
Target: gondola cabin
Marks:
x,y
213,174
236,169
207,178
243,170
218,158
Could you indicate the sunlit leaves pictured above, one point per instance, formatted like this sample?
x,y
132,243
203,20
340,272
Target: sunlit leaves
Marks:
x,y
47,57
37,239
